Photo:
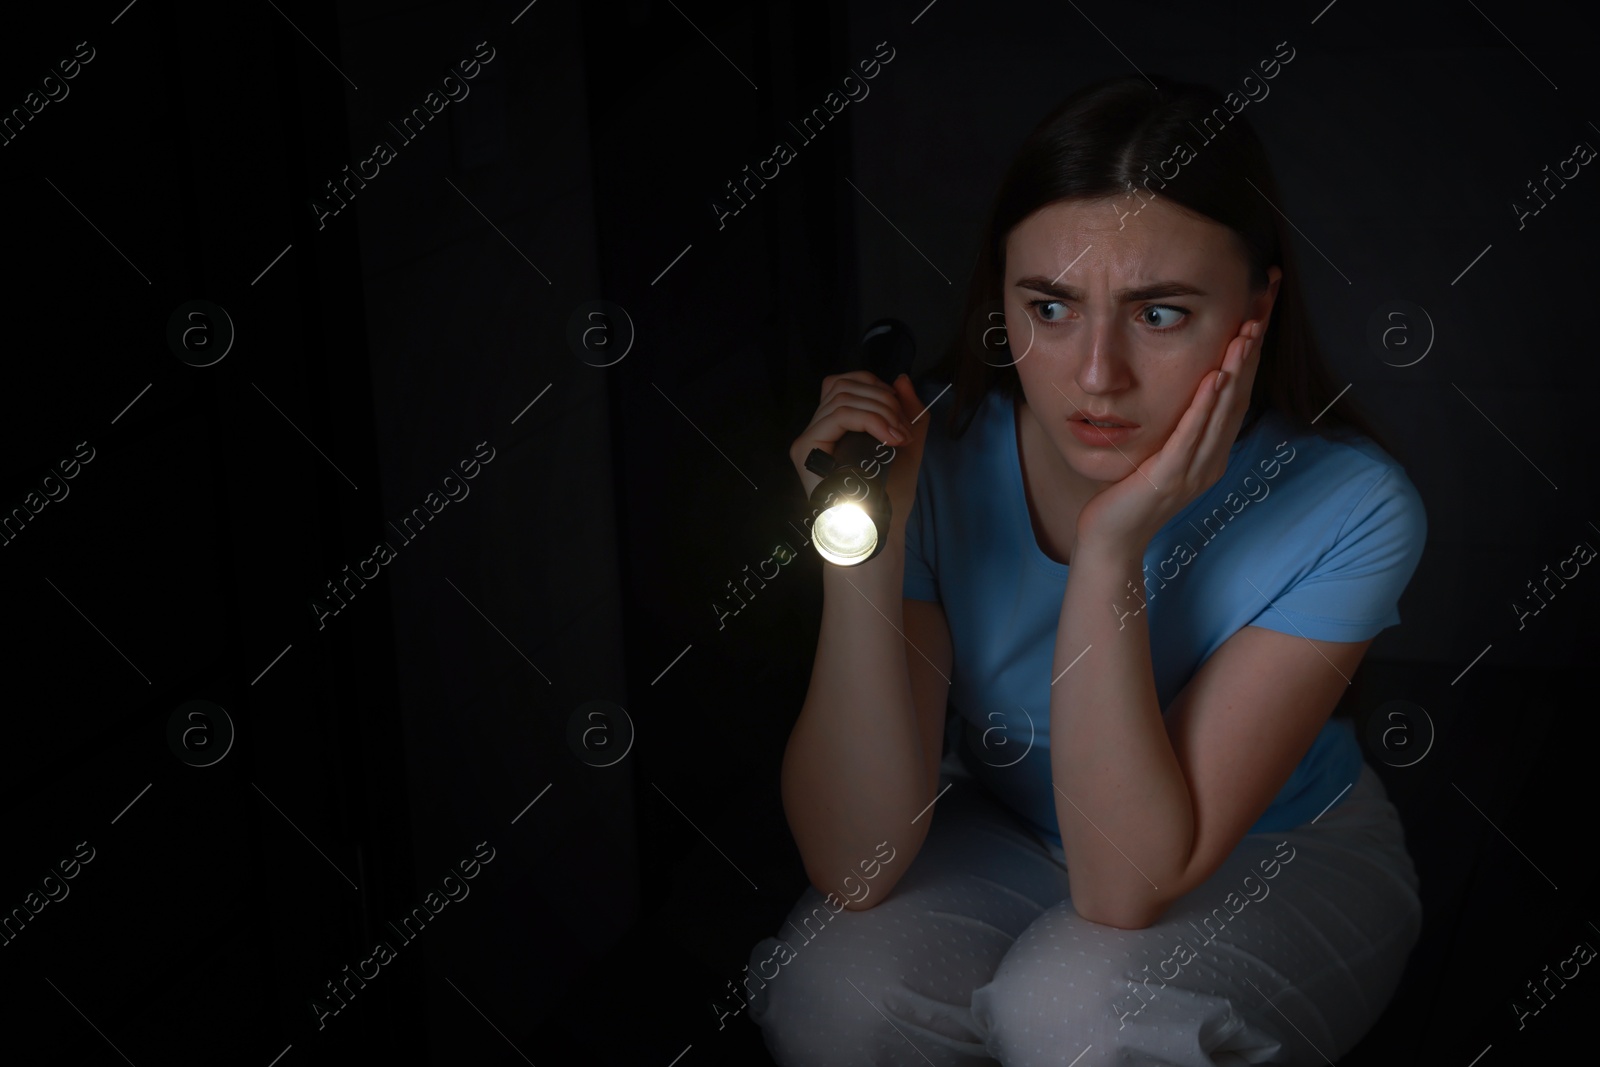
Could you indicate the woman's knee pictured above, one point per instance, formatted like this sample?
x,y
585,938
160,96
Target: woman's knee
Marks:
x,y
1066,982
890,984
822,993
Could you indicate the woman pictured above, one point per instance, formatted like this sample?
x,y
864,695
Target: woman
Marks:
x,y
1141,559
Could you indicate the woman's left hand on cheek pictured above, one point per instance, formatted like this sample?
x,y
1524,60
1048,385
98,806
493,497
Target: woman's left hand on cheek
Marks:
x,y
1191,460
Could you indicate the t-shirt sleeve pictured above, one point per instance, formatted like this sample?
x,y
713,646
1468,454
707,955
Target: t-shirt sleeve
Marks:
x,y
921,579
1353,591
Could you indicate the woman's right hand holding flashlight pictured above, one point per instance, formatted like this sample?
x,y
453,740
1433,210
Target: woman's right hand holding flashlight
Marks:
x,y
859,400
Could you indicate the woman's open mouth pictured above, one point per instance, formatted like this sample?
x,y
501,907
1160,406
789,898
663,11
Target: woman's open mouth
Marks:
x,y
1101,432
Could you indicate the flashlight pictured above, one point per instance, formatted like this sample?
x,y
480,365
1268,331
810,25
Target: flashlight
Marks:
x,y
852,506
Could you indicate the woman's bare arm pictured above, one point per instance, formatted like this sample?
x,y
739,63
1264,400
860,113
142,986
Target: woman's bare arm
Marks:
x,y
862,761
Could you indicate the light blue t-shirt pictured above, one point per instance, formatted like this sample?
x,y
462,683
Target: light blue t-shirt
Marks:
x,y
1328,531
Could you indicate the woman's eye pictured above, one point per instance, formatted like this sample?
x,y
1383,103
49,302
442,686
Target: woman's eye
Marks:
x,y
1040,305
1158,323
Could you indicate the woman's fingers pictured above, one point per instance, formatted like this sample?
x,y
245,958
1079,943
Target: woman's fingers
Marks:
x,y
1178,454
855,401
1227,412
857,383
872,394
890,419
836,420
865,377
859,402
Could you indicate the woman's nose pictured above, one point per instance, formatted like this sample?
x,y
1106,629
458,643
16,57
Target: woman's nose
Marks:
x,y
1103,367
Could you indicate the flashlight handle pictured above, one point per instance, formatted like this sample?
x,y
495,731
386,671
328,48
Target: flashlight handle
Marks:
x,y
886,350
857,448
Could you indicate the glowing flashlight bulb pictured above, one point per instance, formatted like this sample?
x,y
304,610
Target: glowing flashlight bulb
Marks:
x,y
845,534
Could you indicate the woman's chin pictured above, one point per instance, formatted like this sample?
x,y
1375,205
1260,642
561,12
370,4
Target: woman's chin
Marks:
x,y
1102,464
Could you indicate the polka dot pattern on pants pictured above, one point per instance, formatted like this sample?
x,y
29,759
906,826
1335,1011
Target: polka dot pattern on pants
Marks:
x,y
976,956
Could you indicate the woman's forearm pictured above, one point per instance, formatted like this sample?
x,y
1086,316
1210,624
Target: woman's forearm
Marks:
x,y
1123,805
854,771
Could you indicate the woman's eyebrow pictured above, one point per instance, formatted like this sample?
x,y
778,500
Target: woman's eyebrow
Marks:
x,y
1145,292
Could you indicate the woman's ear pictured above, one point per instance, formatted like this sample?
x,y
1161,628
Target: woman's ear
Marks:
x,y
1262,307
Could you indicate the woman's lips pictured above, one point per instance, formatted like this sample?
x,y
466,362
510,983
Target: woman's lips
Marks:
x,y
1100,436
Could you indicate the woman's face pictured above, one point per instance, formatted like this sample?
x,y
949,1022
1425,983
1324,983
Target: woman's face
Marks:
x,y
1115,312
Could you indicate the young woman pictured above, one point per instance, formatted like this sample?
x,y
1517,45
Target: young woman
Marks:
x,y
1140,559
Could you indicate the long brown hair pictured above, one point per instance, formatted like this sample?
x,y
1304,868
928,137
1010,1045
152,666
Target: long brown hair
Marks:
x,y
1117,135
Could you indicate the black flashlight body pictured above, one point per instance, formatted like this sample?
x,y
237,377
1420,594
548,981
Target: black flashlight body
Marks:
x,y
886,350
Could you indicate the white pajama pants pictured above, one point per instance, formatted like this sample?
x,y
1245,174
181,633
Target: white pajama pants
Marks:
x,y
976,955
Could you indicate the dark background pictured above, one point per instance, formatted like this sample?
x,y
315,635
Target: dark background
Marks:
x,y
441,707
